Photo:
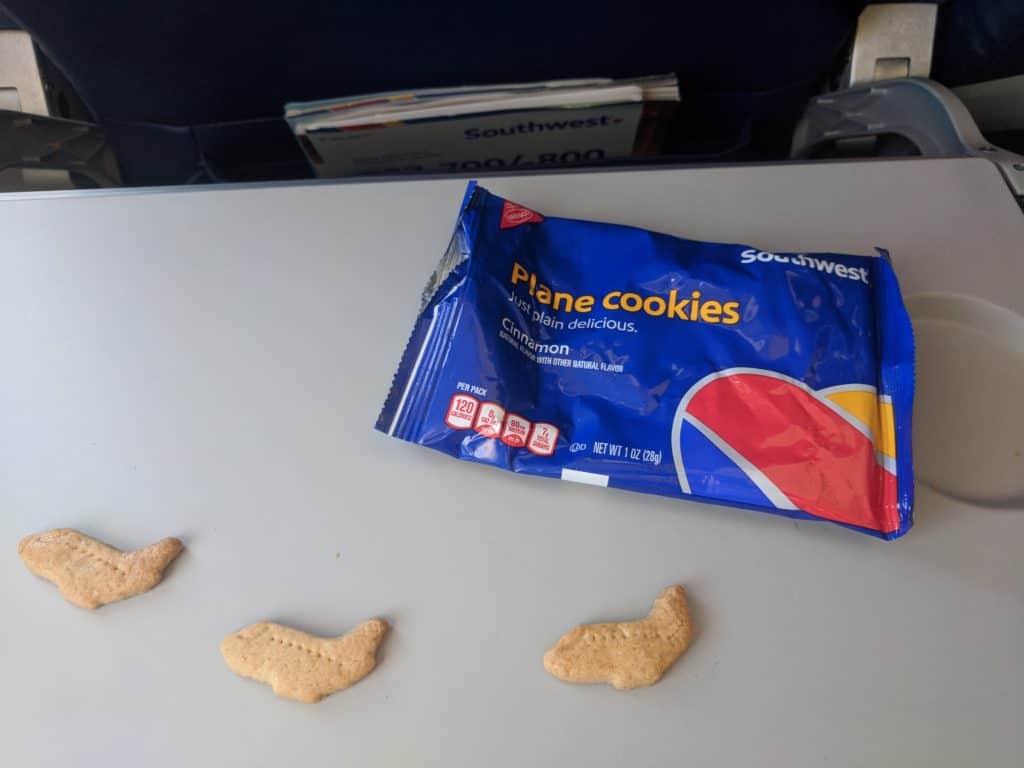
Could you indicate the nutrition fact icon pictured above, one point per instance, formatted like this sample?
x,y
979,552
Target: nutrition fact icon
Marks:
x,y
516,430
493,421
490,419
543,438
461,411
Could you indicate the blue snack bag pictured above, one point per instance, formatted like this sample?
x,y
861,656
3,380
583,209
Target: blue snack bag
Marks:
x,y
614,356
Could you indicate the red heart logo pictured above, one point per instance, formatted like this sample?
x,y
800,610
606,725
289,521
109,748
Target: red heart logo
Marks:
x,y
812,452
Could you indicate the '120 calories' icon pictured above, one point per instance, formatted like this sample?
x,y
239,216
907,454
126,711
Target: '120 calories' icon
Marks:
x,y
461,411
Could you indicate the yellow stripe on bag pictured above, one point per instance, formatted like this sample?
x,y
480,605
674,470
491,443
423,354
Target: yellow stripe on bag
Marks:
x,y
872,411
